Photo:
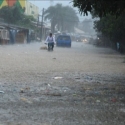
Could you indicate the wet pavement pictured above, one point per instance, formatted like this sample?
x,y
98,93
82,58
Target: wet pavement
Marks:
x,y
82,85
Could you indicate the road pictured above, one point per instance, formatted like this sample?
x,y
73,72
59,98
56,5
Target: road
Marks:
x,y
81,85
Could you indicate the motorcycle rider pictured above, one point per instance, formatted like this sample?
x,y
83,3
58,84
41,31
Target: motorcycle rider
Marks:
x,y
50,40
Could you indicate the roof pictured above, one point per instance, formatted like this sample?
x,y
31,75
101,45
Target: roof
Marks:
x,y
6,25
78,31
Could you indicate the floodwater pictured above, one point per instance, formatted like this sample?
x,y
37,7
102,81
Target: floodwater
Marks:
x,y
81,85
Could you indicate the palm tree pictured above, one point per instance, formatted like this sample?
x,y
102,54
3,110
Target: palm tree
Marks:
x,y
62,17
70,19
53,14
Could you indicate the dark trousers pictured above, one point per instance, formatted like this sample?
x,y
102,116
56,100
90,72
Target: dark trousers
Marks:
x,y
51,44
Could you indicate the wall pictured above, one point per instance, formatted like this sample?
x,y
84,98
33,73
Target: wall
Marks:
x,y
31,9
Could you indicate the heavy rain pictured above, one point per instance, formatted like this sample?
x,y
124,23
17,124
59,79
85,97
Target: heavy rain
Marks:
x,y
62,62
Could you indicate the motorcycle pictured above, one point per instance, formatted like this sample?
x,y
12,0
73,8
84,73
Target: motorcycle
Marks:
x,y
50,46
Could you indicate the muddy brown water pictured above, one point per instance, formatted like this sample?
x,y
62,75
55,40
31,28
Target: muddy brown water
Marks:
x,y
90,89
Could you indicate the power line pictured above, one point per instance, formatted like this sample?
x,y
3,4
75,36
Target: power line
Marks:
x,y
42,24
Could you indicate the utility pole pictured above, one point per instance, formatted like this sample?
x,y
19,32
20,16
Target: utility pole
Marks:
x,y
38,22
42,25
37,35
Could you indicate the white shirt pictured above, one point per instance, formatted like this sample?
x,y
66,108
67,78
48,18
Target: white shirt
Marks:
x,y
50,39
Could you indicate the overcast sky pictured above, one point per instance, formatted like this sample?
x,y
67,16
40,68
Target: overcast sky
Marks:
x,y
46,3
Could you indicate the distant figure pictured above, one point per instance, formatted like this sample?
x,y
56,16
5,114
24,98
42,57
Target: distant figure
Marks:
x,y
121,50
118,46
50,40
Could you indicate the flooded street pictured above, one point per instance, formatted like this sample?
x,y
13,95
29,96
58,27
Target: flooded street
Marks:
x,y
81,85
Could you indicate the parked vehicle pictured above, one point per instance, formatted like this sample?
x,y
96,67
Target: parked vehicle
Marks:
x,y
63,41
56,35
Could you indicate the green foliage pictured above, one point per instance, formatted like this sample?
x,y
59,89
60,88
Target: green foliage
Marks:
x,y
15,15
112,30
11,14
112,17
64,17
105,25
112,27
101,7
26,21
6,14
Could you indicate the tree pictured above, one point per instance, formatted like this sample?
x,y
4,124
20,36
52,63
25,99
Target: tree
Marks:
x,y
112,18
11,14
15,15
105,25
112,28
26,21
62,17
70,18
101,7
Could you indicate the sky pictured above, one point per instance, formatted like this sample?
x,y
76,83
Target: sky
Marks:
x,y
46,3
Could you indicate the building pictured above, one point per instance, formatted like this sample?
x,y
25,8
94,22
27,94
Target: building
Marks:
x,y
11,34
30,9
